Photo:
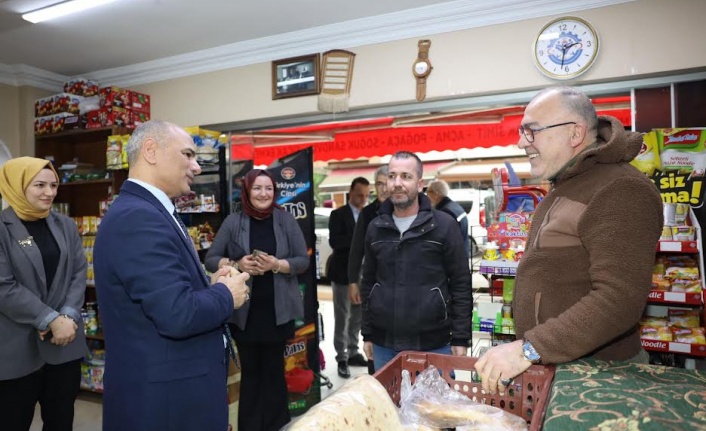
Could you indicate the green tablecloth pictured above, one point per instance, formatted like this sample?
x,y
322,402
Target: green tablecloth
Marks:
x,y
602,396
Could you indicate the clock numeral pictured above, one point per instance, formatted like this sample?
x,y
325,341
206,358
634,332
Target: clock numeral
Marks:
x,y
566,69
541,53
562,27
588,44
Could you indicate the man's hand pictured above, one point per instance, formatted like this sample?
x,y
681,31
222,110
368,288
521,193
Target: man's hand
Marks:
x,y
222,270
63,330
368,350
354,293
235,282
501,362
459,350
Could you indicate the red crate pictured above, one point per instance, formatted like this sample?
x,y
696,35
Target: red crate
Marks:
x,y
527,396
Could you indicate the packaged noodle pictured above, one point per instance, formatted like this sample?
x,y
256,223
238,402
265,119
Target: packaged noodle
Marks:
x,y
650,333
648,160
682,150
689,335
683,318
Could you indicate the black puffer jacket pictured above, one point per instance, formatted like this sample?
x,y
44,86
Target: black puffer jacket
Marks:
x,y
416,287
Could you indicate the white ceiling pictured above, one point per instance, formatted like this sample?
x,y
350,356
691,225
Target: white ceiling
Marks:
x,y
131,42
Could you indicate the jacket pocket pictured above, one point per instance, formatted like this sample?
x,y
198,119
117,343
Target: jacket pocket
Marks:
x,y
177,370
375,305
434,313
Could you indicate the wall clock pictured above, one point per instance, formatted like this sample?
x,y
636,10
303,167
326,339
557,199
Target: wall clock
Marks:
x,y
422,68
565,48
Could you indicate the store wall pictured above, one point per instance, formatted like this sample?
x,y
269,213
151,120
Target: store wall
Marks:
x,y
9,118
641,38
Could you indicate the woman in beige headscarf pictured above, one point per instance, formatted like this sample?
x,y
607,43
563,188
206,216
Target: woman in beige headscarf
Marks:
x,y
42,287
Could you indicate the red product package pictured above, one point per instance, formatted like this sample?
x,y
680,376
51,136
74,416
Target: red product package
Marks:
x,y
140,102
108,117
114,97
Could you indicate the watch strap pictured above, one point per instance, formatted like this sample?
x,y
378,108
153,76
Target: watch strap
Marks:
x,y
421,89
424,45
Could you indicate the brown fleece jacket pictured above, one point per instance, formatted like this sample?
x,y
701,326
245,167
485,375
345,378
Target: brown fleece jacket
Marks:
x,y
583,281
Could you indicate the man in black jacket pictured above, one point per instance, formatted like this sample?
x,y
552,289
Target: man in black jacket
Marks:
x,y
355,260
438,194
341,225
415,285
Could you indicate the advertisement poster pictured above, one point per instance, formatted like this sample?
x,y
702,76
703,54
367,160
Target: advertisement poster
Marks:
x,y
295,192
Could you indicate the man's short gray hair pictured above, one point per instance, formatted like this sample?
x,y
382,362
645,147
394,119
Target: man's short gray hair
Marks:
x,y
440,187
158,130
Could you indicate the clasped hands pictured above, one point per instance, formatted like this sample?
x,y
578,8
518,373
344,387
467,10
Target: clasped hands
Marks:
x,y
235,282
63,331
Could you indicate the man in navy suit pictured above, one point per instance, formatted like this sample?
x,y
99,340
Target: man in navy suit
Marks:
x,y
341,226
162,318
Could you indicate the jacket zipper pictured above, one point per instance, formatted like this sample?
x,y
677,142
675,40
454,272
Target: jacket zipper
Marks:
x,y
443,301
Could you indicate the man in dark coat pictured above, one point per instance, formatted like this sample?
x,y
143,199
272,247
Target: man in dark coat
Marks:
x,y
341,226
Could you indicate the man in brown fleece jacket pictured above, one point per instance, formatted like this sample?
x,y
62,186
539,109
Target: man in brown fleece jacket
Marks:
x,y
583,281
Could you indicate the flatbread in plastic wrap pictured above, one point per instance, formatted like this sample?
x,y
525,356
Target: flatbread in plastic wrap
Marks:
x,y
361,404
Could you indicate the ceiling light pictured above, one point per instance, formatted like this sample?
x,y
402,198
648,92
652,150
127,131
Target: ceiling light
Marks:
x,y
62,9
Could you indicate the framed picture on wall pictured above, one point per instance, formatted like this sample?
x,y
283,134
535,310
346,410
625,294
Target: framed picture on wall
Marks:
x,y
296,76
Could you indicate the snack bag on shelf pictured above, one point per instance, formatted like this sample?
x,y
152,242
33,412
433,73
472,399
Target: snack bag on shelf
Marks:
x,y
683,233
114,152
654,322
689,335
650,333
660,283
682,150
686,286
682,273
683,318
647,160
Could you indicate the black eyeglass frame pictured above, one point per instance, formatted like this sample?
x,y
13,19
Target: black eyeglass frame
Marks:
x,y
522,130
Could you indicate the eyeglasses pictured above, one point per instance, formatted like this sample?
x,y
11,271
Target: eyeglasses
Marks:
x,y
529,132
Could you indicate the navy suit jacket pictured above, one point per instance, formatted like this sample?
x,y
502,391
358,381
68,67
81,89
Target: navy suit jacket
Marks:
x,y
165,360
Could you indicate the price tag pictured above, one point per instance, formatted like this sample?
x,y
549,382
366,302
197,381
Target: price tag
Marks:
x,y
670,246
680,347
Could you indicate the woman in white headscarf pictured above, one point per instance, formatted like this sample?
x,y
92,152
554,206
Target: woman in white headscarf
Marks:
x,y
42,288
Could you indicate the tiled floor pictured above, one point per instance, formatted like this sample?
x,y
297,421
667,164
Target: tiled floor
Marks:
x,y
88,416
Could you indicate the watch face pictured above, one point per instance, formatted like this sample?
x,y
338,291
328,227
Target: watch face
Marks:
x,y
421,67
565,48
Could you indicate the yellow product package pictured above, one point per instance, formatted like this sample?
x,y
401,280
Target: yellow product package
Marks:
x,y
648,160
682,150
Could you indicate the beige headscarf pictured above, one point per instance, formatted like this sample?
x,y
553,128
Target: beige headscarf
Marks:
x,y
15,175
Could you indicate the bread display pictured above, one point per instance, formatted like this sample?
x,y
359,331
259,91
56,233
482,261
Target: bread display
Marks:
x,y
360,404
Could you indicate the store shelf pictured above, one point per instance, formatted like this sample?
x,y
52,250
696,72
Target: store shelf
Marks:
x,y
657,296
677,247
674,347
498,267
98,336
95,391
87,182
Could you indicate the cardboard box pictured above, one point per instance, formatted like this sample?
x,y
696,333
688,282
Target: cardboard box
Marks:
x,y
60,120
44,106
43,125
117,97
66,102
108,117
139,117
81,87
140,102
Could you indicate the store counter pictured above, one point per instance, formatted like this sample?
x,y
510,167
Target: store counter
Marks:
x,y
598,395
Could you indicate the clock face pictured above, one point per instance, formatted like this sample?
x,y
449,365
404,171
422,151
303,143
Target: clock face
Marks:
x,y
565,48
421,67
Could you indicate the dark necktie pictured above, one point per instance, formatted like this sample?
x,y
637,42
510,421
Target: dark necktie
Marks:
x,y
230,351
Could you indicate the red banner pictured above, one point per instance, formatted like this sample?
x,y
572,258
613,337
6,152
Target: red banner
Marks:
x,y
420,139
